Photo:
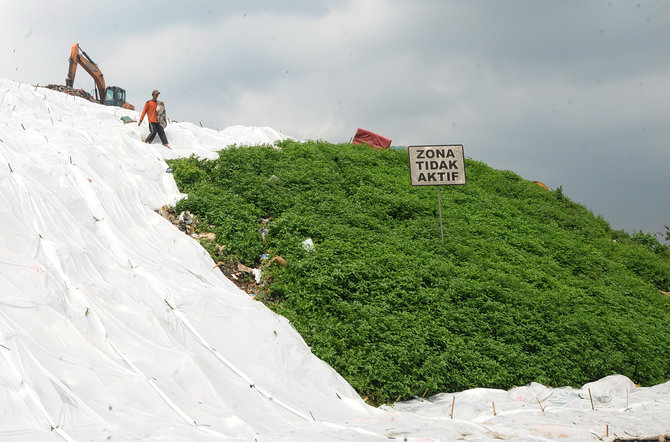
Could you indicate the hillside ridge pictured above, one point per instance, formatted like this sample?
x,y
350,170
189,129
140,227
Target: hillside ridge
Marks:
x,y
529,285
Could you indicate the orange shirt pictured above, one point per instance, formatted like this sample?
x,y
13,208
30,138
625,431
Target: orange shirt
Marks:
x,y
150,111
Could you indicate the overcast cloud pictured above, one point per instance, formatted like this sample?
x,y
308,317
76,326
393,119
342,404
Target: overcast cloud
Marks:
x,y
571,93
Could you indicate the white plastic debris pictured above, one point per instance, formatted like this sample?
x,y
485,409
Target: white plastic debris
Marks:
x,y
308,245
257,275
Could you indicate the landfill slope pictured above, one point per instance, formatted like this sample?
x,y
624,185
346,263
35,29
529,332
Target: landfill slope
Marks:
x,y
115,325
112,321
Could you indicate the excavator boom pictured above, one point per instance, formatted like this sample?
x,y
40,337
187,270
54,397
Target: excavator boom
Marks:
x,y
113,95
77,57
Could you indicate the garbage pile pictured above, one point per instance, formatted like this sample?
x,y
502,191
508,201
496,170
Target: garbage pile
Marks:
x,y
246,278
71,91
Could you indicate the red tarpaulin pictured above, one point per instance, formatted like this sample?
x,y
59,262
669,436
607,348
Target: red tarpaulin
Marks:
x,y
371,138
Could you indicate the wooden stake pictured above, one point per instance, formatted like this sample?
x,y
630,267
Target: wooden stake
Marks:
x,y
591,398
23,126
538,401
453,401
607,430
10,168
398,398
424,393
494,407
626,398
200,123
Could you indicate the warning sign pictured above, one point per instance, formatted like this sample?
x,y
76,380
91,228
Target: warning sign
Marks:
x,y
436,165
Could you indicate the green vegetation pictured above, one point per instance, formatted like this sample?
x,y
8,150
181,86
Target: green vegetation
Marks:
x,y
529,285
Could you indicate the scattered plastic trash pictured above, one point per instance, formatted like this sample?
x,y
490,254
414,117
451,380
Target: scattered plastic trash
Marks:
x,y
246,269
127,119
273,179
264,256
308,245
185,217
168,170
185,222
257,275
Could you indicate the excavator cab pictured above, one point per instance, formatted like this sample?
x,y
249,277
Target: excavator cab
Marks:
x,y
114,96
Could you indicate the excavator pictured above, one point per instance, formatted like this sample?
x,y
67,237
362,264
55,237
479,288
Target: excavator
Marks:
x,y
109,95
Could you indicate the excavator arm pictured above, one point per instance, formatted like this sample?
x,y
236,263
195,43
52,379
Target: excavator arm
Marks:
x,y
79,57
112,95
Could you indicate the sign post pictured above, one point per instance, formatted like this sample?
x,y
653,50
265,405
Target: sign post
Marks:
x,y
437,165
439,205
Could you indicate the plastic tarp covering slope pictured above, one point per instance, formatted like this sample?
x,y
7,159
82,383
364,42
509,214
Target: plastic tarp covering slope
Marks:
x,y
113,322
114,325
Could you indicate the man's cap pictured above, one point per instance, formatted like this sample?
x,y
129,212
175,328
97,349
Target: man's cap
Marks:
x,y
155,92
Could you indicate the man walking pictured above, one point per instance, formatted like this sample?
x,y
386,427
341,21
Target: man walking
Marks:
x,y
154,125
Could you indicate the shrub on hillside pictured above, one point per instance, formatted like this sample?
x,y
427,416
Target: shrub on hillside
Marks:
x,y
528,286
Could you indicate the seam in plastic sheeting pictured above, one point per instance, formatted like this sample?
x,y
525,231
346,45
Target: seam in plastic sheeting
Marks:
x,y
253,385
189,420
28,391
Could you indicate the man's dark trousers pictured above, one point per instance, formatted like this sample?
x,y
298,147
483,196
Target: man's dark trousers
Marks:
x,y
156,128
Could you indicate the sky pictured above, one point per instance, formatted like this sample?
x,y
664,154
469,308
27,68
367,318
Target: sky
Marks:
x,y
575,94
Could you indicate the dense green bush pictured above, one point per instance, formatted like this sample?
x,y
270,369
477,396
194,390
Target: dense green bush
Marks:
x,y
528,286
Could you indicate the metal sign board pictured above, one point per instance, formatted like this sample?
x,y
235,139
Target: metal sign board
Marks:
x,y
436,165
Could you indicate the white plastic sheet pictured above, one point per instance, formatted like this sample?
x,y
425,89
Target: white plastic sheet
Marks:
x,y
114,324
